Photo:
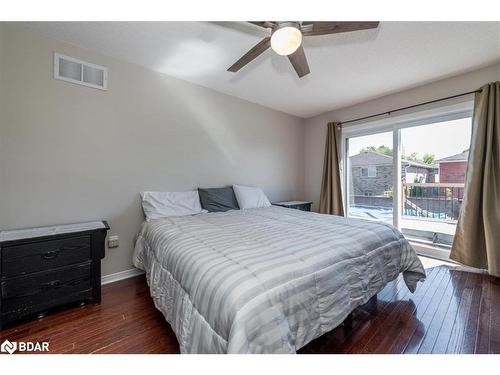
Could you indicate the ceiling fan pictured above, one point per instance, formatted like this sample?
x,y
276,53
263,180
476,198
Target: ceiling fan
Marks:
x,y
286,40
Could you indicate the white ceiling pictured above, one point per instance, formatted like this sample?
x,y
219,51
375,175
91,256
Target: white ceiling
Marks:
x,y
345,68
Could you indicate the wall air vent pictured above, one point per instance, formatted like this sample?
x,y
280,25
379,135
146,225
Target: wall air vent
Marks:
x,y
80,72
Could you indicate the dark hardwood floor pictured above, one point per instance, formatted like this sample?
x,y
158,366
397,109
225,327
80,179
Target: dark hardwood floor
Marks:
x,y
126,321
451,312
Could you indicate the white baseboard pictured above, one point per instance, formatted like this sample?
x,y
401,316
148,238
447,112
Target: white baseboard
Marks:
x,y
122,275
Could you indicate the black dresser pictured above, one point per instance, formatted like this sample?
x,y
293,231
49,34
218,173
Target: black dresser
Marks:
x,y
42,269
297,205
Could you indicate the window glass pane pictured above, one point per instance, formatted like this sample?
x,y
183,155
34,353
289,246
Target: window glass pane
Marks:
x,y
433,166
370,177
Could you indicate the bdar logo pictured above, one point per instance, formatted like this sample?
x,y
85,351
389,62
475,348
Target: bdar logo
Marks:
x,y
11,347
8,347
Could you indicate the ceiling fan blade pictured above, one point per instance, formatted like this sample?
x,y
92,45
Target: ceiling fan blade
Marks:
x,y
260,47
299,62
264,24
323,28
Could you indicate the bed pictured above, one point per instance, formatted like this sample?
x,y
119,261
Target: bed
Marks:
x,y
266,280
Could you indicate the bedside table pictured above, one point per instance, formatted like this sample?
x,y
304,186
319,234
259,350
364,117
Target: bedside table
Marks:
x,y
46,268
297,205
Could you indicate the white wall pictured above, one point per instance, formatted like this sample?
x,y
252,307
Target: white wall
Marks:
x,y
69,153
315,127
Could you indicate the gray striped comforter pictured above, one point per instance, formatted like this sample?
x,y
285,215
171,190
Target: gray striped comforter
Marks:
x,y
266,280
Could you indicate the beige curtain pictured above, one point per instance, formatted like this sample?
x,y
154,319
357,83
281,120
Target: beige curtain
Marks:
x,y
477,239
330,201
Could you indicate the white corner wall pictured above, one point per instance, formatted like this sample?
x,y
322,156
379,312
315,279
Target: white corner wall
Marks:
x,y
70,153
315,127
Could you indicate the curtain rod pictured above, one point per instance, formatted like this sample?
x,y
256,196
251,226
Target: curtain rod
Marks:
x,y
410,106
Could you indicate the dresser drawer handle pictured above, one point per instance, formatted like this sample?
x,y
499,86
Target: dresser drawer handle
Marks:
x,y
50,254
51,284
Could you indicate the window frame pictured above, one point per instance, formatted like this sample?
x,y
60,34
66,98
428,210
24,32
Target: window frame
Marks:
x,y
449,110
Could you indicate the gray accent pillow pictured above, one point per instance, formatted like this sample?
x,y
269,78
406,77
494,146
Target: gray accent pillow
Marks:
x,y
218,199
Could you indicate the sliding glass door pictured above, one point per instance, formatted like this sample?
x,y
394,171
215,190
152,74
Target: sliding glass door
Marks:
x,y
410,174
434,162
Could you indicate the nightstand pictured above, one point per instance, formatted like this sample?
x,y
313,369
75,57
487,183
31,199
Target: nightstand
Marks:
x,y
50,267
297,205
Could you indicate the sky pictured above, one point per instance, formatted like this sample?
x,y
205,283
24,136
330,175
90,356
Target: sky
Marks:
x,y
441,139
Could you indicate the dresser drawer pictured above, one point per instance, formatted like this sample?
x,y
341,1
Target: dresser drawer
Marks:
x,y
37,292
40,256
45,269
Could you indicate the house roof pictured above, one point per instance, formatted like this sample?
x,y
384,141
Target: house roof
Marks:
x,y
464,156
420,164
367,158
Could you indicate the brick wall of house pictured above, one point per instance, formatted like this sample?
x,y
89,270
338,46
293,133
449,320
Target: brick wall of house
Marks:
x,y
371,185
452,172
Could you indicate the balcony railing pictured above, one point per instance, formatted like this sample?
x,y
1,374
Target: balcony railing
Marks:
x,y
440,201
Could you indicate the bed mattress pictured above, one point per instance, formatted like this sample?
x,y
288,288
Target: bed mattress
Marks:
x,y
266,280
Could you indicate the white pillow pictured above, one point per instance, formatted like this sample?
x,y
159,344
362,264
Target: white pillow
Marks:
x,y
250,197
158,204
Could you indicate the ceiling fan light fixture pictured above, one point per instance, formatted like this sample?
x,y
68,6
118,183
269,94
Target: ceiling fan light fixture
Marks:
x,y
286,38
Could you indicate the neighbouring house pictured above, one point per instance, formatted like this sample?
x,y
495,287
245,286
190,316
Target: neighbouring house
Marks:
x,y
452,169
371,184
371,173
